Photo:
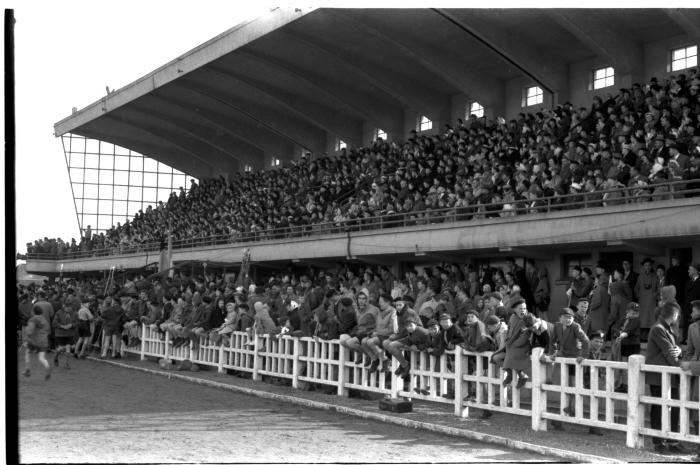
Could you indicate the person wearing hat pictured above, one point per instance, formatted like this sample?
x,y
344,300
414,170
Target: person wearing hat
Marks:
x,y
493,305
568,340
620,296
475,333
692,293
600,299
646,291
414,336
517,348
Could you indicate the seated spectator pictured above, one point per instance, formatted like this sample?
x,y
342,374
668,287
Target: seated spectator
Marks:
x,y
366,323
221,334
386,325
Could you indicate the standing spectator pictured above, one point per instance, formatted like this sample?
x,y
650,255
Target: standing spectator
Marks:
x,y
47,311
112,316
600,299
580,287
581,315
493,305
475,333
646,291
85,317
692,293
517,346
662,349
65,324
628,274
677,276
692,351
620,296
542,294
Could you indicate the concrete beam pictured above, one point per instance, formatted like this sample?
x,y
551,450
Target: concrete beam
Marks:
x,y
624,54
327,118
236,127
431,60
262,112
642,248
549,72
410,94
688,20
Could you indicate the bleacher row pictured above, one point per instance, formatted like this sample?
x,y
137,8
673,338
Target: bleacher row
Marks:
x,y
641,145
461,378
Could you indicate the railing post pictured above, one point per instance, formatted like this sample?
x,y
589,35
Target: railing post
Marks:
x,y
459,381
256,358
635,410
220,366
341,371
143,341
295,363
166,356
539,398
396,381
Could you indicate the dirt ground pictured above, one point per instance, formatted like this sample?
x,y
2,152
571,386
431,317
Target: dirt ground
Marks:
x,y
95,412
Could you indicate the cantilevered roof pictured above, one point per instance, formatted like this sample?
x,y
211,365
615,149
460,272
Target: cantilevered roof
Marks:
x,y
288,80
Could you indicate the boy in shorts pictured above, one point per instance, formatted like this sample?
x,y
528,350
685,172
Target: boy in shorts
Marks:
x,y
37,338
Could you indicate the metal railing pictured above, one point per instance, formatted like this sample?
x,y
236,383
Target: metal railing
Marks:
x,y
464,379
387,220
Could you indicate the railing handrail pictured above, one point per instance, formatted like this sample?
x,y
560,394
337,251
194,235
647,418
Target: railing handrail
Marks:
x,y
455,213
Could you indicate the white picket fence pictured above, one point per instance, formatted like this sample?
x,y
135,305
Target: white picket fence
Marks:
x,y
564,391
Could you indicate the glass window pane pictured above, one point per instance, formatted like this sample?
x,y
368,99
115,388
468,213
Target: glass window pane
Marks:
x,y
91,176
136,179
163,194
136,163
76,160
92,146
76,144
692,61
150,179
163,168
121,192
121,150
105,206
107,161
149,164
77,189
92,161
106,176
90,206
90,191
678,54
119,208
121,163
149,194
133,208
135,194
89,220
164,180
105,221
178,181
106,191
121,177
76,174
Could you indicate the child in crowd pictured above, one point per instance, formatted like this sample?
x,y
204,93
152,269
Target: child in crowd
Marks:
x,y
37,337
85,318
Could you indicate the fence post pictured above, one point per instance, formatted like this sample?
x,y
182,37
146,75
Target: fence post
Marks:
x,y
220,366
166,355
341,371
256,358
295,363
459,371
539,397
143,341
635,410
396,381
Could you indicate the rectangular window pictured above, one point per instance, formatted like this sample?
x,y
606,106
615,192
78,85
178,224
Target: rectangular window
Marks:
x,y
476,109
683,58
380,134
569,261
533,96
340,145
275,162
247,168
603,77
424,124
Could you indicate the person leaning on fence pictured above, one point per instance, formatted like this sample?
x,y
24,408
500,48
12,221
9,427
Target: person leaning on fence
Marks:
x,y
412,335
517,349
222,334
568,340
386,325
662,349
201,321
493,305
366,322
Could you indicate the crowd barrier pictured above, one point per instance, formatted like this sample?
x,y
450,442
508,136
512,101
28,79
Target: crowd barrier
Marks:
x,y
563,390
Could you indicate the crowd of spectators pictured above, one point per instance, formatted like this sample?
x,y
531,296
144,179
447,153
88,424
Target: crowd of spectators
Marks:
x,y
378,315
641,137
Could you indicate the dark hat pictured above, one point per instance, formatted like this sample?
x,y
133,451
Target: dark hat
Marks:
x,y
432,322
598,334
445,316
346,301
406,298
633,306
492,320
495,295
529,320
473,312
647,260
601,264
566,311
582,299
442,296
412,319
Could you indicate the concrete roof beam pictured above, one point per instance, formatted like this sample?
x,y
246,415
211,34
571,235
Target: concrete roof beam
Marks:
x,y
688,20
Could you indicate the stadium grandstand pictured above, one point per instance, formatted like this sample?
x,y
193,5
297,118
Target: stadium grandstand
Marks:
x,y
457,141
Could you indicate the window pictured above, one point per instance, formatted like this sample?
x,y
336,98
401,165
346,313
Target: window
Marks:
x,y
340,145
275,162
424,124
569,261
380,134
247,168
603,77
683,58
476,109
533,96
